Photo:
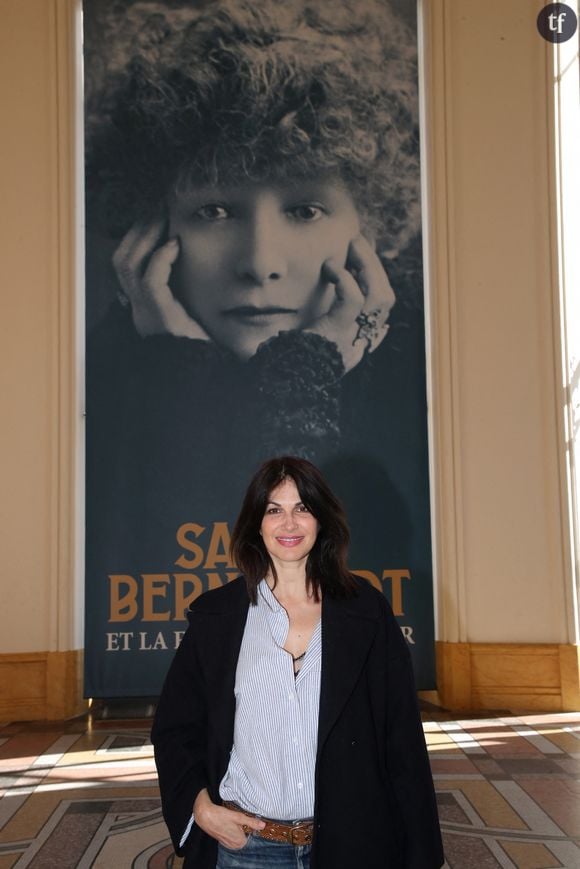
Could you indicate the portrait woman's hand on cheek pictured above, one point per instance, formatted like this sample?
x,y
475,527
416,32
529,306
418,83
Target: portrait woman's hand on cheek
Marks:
x,y
357,319
143,266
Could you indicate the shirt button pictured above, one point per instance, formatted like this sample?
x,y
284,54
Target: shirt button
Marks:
x,y
290,696
300,785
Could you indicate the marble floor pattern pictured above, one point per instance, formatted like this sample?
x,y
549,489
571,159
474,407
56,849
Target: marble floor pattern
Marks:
x,y
84,794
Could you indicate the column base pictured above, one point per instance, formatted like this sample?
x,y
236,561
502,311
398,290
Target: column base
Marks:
x,y
534,677
41,686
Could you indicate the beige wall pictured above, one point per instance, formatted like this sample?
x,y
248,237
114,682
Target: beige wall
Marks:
x,y
501,526
41,514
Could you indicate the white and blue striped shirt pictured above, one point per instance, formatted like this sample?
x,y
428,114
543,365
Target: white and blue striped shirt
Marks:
x,y
271,768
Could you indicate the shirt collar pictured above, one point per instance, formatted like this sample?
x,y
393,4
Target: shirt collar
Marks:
x,y
267,597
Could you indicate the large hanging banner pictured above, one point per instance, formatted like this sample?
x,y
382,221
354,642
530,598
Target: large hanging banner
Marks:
x,y
252,195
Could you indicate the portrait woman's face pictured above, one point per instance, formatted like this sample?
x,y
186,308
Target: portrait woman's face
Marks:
x,y
251,256
288,529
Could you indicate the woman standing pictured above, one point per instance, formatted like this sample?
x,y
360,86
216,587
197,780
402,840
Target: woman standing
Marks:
x,y
288,733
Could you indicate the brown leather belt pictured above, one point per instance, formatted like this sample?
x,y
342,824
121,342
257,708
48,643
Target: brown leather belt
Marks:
x,y
292,833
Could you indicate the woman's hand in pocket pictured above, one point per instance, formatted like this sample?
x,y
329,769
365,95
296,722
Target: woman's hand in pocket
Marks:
x,y
225,825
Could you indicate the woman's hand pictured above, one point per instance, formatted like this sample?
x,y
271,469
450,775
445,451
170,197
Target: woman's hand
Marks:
x,y
357,319
225,825
143,269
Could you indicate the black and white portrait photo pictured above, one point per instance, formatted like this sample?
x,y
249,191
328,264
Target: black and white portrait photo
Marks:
x,y
253,289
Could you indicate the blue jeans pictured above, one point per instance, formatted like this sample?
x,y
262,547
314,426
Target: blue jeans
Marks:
x,y
259,853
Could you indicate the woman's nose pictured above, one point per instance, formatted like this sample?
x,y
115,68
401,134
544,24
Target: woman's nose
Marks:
x,y
263,257
289,521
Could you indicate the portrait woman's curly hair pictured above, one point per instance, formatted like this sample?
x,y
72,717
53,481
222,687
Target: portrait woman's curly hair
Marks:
x,y
219,91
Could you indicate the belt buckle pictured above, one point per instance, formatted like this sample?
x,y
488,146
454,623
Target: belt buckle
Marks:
x,y
299,827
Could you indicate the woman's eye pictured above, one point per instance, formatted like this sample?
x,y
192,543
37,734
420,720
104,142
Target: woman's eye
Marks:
x,y
307,213
272,510
212,211
302,509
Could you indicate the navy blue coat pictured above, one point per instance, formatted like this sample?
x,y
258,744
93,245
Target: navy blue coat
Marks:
x,y
375,803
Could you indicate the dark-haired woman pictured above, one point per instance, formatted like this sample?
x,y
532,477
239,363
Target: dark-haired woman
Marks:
x,y
287,733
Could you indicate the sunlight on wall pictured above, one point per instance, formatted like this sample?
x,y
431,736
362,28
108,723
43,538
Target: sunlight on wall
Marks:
x,y
567,104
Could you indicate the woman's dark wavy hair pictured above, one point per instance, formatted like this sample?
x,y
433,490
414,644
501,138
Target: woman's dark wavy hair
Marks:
x,y
217,91
326,568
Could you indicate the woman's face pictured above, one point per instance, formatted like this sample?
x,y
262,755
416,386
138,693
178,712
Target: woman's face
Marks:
x,y
288,529
251,256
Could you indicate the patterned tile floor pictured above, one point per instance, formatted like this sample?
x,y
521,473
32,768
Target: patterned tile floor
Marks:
x,y
84,794
508,790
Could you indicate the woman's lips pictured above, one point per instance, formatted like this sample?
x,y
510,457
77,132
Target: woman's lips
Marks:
x,y
252,315
289,541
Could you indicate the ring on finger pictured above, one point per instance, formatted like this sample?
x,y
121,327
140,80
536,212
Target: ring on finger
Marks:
x,y
370,328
